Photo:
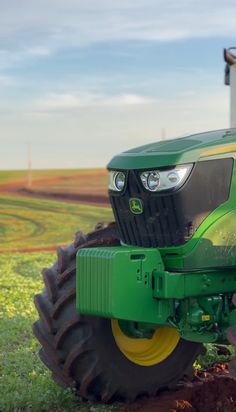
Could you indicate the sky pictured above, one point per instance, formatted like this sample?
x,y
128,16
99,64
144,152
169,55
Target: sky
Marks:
x,y
83,80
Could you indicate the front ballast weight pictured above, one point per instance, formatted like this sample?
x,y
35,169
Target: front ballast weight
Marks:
x,y
131,284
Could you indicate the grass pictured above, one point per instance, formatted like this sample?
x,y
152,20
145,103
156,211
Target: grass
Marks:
x,y
27,223
25,384
212,356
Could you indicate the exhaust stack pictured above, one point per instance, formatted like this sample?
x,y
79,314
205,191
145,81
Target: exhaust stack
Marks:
x,y
230,80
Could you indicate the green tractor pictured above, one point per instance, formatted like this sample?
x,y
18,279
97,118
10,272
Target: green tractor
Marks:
x,y
126,308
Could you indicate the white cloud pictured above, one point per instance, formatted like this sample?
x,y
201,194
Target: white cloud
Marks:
x,y
65,101
37,30
40,51
10,58
71,23
90,136
128,99
114,110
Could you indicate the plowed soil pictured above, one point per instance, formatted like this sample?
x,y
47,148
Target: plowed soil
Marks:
x,y
211,391
86,187
89,199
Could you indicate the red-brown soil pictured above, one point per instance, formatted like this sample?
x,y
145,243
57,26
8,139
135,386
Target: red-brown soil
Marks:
x,y
45,188
212,391
30,250
101,200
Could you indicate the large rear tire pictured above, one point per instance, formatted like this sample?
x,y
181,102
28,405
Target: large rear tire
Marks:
x,y
231,336
82,351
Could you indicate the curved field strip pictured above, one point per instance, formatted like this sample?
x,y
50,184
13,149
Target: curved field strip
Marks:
x,y
33,224
13,226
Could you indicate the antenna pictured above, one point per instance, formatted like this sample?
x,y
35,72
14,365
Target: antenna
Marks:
x,y
230,80
29,175
163,133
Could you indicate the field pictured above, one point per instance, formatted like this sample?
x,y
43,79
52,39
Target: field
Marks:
x,y
25,384
28,224
31,227
84,185
14,176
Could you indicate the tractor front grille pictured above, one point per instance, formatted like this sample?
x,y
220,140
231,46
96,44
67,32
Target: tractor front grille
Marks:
x,y
159,223
171,218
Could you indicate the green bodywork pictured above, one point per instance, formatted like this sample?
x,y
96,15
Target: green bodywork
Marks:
x,y
214,242
131,284
188,287
118,283
188,149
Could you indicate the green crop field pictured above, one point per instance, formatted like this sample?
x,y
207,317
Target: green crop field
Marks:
x,y
28,224
25,384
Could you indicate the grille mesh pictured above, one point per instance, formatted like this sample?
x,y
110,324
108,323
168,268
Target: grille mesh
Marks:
x,y
157,226
171,218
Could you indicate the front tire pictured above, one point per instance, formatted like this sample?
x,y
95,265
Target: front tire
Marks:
x,y
81,351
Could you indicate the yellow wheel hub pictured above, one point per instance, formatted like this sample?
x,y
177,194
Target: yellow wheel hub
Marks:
x,y
146,352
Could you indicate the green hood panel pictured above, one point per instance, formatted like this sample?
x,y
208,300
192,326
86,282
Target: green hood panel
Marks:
x,y
177,151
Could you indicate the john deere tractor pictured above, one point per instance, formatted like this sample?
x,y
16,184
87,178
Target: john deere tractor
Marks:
x,y
127,307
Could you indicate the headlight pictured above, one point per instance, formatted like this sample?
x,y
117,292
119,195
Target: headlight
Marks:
x,y
157,180
116,180
151,180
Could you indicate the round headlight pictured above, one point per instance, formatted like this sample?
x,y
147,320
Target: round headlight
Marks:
x,y
153,181
166,179
173,177
119,181
144,177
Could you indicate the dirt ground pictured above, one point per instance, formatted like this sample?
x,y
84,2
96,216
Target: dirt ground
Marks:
x,y
17,188
211,391
101,200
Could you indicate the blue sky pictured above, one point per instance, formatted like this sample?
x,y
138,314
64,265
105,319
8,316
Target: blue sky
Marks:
x,y
81,80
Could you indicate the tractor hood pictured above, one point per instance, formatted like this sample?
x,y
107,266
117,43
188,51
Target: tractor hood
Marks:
x,y
188,149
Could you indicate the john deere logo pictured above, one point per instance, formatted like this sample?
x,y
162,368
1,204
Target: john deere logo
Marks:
x,y
136,205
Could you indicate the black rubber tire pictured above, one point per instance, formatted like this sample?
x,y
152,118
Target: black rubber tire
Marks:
x,y
231,336
81,351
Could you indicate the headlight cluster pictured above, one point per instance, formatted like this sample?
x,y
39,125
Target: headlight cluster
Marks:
x,y
153,180
157,180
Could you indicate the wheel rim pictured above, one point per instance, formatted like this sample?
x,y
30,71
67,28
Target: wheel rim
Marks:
x,y
146,352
